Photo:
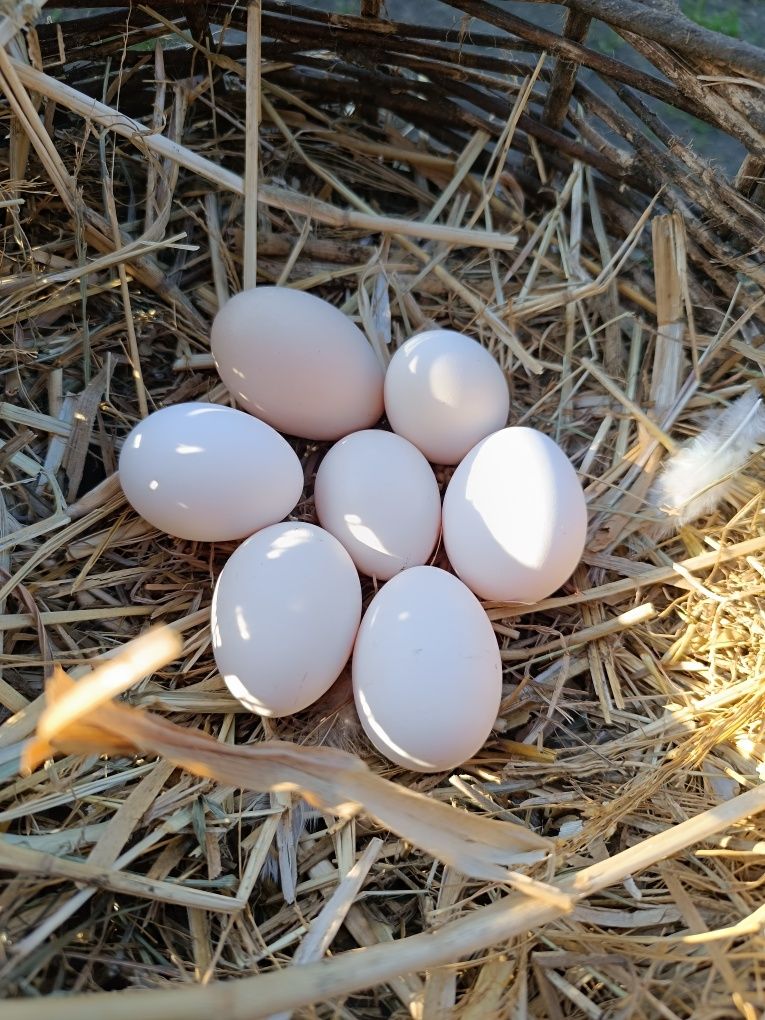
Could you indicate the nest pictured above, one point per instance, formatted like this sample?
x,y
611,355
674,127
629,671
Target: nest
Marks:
x,y
478,172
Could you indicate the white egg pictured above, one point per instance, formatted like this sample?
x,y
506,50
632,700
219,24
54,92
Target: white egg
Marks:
x,y
377,494
427,674
285,612
209,473
444,392
515,517
297,362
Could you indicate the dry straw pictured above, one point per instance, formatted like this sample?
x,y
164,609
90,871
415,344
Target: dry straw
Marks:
x,y
162,851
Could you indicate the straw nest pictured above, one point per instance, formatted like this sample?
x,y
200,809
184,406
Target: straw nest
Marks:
x,y
602,856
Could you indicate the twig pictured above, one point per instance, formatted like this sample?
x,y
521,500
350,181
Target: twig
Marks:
x,y
270,195
252,146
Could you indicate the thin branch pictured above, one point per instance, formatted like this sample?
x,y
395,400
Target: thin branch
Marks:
x,y
252,146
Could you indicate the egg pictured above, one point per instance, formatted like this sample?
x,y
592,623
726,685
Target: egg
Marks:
x,y
297,362
377,494
427,675
285,612
515,517
206,472
444,392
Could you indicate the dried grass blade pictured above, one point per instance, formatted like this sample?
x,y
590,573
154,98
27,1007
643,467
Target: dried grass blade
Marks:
x,y
644,578
250,998
24,860
139,658
332,916
477,846
670,270
630,618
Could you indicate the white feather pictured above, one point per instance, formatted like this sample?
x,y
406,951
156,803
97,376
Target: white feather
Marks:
x,y
701,474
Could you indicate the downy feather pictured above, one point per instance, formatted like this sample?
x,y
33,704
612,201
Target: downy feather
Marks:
x,y
702,473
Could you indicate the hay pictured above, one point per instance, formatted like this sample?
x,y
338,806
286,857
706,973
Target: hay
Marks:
x,y
411,175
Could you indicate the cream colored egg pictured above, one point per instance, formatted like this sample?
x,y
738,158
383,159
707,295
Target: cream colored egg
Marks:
x,y
285,612
297,362
377,494
515,517
207,472
444,392
427,674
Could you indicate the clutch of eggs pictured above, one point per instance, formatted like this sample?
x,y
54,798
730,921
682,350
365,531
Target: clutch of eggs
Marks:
x,y
286,609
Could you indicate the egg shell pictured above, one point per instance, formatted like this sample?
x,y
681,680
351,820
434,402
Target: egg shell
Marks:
x,y
297,362
285,612
377,494
210,473
444,392
427,675
515,517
